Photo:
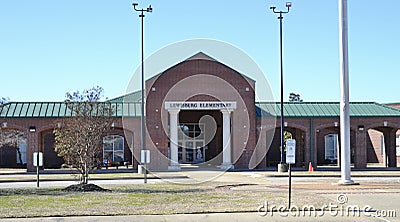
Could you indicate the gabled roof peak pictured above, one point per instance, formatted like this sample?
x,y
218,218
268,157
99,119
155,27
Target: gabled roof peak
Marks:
x,y
201,55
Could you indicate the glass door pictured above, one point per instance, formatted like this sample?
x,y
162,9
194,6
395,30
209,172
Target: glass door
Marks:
x,y
200,152
189,152
191,143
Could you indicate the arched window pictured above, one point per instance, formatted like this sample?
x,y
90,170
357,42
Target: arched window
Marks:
x,y
21,152
331,146
397,145
113,149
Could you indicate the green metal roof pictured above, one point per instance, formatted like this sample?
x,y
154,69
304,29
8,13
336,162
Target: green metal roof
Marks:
x,y
324,109
60,109
264,109
131,97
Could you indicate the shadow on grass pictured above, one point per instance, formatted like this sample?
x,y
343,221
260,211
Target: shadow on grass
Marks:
x,y
152,191
30,191
133,190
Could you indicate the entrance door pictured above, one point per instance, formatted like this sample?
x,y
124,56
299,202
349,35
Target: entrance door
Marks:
x,y
331,146
192,152
191,143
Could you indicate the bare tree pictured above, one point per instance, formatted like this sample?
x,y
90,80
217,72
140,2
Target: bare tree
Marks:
x,y
88,95
4,100
293,97
79,139
12,138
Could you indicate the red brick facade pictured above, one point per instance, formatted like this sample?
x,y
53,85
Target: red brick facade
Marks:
x,y
255,141
192,80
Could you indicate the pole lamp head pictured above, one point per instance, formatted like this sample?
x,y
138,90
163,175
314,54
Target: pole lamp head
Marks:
x,y
134,5
149,9
32,129
272,8
288,4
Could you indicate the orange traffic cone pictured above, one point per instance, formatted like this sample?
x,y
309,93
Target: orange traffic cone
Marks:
x,y
310,167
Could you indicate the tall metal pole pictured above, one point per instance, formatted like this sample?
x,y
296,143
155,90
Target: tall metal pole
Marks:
x,y
37,168
32,130
143,113
282,115
143,125
344,95
282,167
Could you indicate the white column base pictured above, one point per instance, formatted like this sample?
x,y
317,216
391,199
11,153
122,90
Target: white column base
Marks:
x,y
227,166
174,168
346,183
140,169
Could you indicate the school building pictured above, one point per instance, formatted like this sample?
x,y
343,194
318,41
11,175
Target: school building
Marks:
x,y
202,112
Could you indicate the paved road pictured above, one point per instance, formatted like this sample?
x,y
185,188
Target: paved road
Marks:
x,y
232,217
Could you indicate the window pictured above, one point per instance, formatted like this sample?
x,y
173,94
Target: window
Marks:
x,y
191,131
331,143
22,151
383,145
113,149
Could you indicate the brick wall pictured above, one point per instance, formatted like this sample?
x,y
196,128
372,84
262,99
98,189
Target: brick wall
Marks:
x,y
203,80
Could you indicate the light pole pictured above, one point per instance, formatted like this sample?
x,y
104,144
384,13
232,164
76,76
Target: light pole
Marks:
x,y
32,129
344,96
143,118
282,167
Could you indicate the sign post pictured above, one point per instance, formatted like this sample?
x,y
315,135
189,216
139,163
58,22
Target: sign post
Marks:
x,y
37,162
290,159
145,159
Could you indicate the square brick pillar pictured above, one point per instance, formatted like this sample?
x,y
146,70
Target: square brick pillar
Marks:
x,y
360,157
307,148
390,146
32,146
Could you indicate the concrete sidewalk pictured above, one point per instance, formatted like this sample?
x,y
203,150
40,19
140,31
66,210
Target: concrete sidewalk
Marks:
x,y
216,217
53,174
395,172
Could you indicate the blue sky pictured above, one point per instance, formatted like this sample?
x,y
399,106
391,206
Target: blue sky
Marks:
x,y
48,48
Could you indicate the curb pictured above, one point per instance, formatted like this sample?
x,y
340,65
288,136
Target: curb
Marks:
x,y
71,179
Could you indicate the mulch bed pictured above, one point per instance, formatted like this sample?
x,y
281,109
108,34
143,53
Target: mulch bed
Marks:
x,y
85,188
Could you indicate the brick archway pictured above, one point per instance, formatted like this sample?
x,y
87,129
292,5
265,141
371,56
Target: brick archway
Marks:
x,y
325,130
50,157
273,153
382,146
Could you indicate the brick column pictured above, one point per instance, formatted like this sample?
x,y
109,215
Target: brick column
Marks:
x,y
32,146
360,157
314,158
299,148
307,148
390,146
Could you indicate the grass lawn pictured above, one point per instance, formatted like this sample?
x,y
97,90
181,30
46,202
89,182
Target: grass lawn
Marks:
x,y
160,198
